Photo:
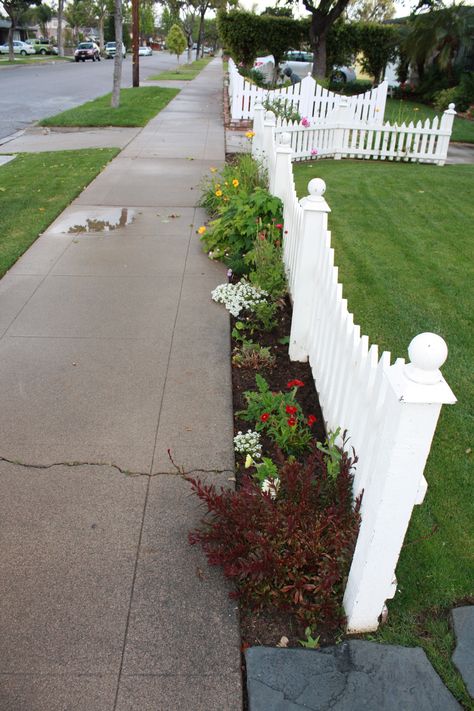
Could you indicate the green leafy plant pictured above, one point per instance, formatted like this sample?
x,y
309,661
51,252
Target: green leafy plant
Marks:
x,y
245,169
333,453
253,356
232,234
310,642
282,108
279,415
266,262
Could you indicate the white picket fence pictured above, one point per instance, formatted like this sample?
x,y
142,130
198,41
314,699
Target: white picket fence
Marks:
x,y
339,137
389,411
310,99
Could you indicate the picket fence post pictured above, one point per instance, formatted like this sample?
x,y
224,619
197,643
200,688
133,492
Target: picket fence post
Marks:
x,y
446,124
342,118
283,156
268,152
415,394
257,140
313,228
307,93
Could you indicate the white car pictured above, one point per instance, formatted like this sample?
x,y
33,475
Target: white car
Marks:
x,y
301,64
18,48
145,51
110,49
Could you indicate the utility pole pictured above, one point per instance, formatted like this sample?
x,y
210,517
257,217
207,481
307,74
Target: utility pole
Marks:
x,y
135,42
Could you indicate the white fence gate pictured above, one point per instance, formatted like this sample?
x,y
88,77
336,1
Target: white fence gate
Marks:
x,y
310,99
389,411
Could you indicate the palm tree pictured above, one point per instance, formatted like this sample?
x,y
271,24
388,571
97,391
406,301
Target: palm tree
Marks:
x,y
444,37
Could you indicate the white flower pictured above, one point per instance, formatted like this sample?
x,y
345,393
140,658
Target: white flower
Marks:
x,y
248,443
237,297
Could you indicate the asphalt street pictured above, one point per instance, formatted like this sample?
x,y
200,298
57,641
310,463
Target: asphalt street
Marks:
x,y
29,93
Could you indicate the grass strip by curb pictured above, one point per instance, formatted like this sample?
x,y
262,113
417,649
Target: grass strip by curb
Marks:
x,y
185,72
400,111
137,107
35,188
401,234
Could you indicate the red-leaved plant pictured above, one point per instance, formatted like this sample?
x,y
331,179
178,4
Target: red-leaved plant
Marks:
x,y
291,551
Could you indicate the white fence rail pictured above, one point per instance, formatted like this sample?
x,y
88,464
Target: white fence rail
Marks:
x,y
339,137
310,99
389,411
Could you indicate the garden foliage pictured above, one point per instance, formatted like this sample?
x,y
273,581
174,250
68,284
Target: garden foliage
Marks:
x,y
291,552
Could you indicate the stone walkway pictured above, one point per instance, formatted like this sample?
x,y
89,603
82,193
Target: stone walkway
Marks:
x,y
111,352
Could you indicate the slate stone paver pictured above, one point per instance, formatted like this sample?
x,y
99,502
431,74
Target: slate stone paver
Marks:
x,y
353,676
463,657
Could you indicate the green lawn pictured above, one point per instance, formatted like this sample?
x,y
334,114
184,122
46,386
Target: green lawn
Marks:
x,y
35,188
137,107
184,72
31,59
399,111
403,241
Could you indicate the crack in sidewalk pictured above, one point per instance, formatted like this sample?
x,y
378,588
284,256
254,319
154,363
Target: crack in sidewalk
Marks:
x,y
111,465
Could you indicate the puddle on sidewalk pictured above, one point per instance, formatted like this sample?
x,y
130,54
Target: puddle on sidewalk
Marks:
x,y
96,221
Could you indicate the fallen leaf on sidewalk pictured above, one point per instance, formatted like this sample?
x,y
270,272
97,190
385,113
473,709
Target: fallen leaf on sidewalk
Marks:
x,y
174,215
283,642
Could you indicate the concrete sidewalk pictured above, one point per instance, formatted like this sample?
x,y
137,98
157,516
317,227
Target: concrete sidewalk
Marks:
x,y
111,352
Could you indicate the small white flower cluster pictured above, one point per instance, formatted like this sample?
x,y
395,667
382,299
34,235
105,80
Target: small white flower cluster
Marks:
x,y
248,443
236,297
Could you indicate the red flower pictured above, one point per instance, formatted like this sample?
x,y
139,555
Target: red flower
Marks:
x,y
265,416
294,384
291,422
279,227
311,420
291,410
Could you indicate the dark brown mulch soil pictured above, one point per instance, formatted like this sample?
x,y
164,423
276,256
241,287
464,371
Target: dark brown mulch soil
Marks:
x,y
267,627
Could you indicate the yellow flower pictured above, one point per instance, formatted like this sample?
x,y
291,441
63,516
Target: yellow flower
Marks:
x,y
213,170
218,193
248,461
235,183
416,109
226,184
201,230
250,134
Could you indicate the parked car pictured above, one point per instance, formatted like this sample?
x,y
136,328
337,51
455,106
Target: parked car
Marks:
x,y
42,46
301,64
18,48
145,51
111,48
87,50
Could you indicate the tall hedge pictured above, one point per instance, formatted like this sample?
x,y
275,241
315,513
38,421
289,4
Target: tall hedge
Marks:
x,y
247,35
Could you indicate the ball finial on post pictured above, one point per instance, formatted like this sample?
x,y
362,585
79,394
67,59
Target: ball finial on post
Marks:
x,y
427,353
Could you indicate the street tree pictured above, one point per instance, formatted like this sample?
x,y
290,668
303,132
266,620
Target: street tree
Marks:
x,y
117,81
176,41
324,14
15,9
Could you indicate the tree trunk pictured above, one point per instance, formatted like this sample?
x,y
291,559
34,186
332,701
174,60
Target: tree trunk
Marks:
x,y
60,28
11,54
317,34
101,34
201,32
115,101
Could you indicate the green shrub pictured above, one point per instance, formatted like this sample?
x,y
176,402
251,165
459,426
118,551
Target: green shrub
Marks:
x,y
248,173
266,262
282,108
443,98
233,233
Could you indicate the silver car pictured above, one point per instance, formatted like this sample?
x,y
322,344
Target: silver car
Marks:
x,y
301,64
18,48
